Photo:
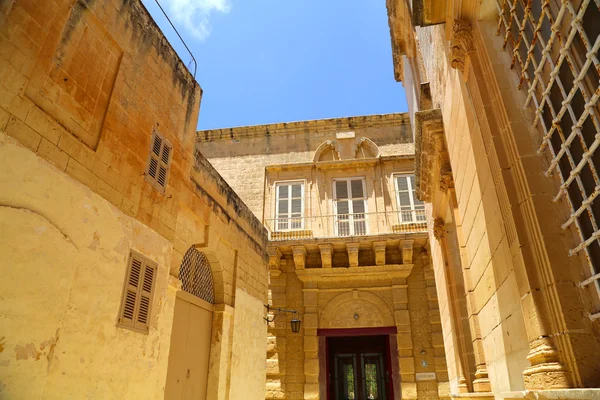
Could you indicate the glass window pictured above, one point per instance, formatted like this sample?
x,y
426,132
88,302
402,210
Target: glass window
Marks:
x,y
410,208
350,206
289,207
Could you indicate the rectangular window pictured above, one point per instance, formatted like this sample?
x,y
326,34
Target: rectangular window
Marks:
x,y
554,48
410,208
138,292
350,206
289,206
159,161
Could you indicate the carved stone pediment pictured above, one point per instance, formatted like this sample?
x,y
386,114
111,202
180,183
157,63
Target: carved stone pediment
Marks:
x,y
432,169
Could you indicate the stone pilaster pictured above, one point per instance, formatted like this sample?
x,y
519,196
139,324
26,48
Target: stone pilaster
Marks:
x,y
311,344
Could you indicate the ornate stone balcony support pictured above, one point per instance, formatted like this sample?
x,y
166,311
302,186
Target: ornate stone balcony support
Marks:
x,y
274,260
379,250
406,248
299,256
326,251
352,254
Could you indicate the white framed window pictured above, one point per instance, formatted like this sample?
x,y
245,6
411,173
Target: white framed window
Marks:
x,y
289,206
350,206
410,208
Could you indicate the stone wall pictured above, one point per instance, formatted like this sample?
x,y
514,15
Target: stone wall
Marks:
x,y
241,154
84,86
490,196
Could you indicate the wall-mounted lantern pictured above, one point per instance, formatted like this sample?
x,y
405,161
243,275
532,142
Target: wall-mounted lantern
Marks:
x,y
295,322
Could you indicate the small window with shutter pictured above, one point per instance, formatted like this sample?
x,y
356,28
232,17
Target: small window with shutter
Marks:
x,y
289,206
138,292
350,206
159,161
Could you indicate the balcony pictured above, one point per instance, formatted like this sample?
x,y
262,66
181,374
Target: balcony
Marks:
x,y
346,225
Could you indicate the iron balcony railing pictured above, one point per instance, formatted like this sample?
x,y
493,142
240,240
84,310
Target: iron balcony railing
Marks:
x,y
345,225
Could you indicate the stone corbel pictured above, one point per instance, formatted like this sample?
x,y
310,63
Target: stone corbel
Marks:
x,y
461,44
379,250
352,249
439,228
299,256
326,253
446,180
406,248
274,260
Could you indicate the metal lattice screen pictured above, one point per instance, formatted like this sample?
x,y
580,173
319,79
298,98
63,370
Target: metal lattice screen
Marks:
x,y
196,276
554,46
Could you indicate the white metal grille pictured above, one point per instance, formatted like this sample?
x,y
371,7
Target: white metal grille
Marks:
x,y
196,276
554,47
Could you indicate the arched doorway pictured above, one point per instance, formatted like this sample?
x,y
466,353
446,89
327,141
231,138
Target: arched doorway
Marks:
x,y
187,373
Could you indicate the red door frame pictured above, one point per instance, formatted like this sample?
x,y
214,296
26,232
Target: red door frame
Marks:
x,y
336,332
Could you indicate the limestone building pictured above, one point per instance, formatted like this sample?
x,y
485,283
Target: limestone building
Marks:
x,y
348,250
503,98
129,269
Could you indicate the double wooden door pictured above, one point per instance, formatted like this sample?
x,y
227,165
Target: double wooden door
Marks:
x,y
358,368
187,373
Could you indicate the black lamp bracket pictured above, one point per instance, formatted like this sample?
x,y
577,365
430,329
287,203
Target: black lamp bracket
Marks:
x,y
278,310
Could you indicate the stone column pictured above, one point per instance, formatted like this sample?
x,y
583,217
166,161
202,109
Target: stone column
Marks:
x,y
404,340
439,231
311,342
220,353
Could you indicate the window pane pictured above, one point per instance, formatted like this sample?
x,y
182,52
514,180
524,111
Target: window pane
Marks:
x,y
341,189
283,207
283,191
357,188
342,207
402,183
404,198
297,190
358,206
296,205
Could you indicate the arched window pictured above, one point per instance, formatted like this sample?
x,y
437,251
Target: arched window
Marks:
x,y
196,276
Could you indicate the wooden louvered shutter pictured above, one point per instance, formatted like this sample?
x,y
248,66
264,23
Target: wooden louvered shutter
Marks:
x,y
146,288
159,161
138,293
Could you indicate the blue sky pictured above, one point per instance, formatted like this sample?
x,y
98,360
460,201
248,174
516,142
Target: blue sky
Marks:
x,y
265,61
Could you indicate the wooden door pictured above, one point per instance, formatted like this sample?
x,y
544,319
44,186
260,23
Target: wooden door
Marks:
x,y
359,369
187,373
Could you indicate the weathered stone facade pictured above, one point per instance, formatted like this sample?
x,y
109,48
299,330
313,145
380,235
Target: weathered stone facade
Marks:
x,y
84,85
341,283
516,311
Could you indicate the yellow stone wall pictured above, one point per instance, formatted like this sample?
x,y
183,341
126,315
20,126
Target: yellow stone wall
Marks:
x,y
521,289
241,154
84,86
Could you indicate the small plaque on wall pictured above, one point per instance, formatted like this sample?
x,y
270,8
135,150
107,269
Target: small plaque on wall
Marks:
x,y
425,376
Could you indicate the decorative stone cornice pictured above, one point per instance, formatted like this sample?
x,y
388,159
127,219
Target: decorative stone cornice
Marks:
x,y
401,33
317,126
439,228
432,162
461,44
